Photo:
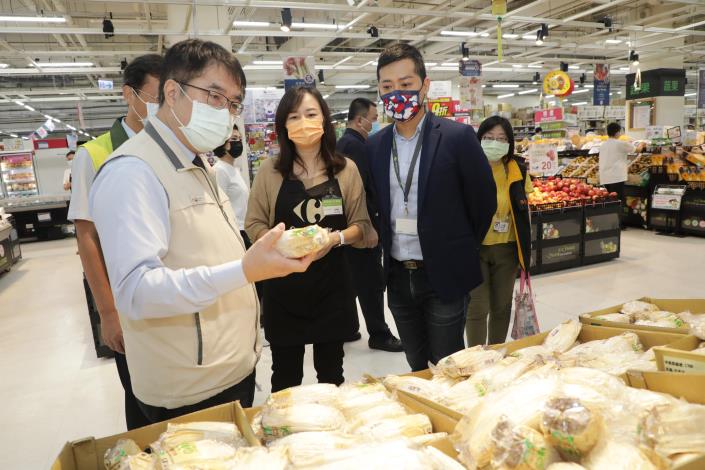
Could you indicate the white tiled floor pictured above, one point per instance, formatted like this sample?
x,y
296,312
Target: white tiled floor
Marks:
x,y
53,388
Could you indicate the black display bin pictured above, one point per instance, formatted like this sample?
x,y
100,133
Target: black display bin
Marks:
x,y
601,246
693,212
636,206
559,254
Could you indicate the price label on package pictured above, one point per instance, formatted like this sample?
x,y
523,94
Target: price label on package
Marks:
x,y
543,159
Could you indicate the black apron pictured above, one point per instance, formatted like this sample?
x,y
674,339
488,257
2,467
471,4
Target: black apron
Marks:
x,y
317,306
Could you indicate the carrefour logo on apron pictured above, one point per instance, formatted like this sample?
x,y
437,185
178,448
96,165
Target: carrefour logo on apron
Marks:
x,y
313,211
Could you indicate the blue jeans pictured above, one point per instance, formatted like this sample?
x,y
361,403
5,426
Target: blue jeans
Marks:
x,y
429,328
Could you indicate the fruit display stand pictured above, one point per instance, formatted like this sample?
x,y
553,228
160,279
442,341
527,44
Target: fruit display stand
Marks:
x,y
693,211
601,241
665,208
559,236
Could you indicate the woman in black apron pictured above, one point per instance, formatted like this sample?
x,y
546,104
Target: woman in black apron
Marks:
x,y
309,184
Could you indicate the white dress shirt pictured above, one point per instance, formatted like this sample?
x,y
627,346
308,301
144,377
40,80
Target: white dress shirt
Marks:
x,y
613,161
405,247
82,175
231,180
130,210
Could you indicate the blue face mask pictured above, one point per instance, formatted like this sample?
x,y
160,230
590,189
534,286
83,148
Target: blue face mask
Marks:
x,y
375,127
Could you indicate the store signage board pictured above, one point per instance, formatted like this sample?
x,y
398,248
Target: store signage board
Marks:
x,y
657,82
674,133
548,115
105,84
470,68
12,145
440,89
668,197
471,95
443,108
601,89
655,132
543,159
299,71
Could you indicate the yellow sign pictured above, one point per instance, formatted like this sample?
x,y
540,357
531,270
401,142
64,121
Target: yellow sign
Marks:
x,y
556,83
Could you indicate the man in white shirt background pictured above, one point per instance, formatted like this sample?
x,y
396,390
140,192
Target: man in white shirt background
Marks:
x,y
230,177
67,172
614,162
177,265
140,90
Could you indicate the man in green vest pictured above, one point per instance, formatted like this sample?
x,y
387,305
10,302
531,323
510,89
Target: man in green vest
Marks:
x,y
141,93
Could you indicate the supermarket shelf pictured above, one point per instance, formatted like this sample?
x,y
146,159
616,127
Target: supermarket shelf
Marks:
x,y
32,180
24,169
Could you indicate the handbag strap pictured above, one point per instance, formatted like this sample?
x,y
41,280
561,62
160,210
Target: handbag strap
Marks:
x,y
522,281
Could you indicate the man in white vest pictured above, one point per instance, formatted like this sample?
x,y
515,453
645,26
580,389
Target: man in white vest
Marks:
x,y
181,278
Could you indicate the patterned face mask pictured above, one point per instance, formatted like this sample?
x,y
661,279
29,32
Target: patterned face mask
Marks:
x,y
402,105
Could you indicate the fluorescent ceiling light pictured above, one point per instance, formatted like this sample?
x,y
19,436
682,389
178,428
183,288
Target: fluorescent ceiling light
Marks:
x,y
25,138
446,69
549,96
34,19
62,64
517,66
505,85
251,24
70,127
510,36
484,35
262,67
582,90
352,87
690,94
692,25
529,37
552,103
314,25
484,86
471,34
501,97
18,102
498,69
613,41
624,69
29,108
13,135
580,103
535,66
526,92
267,62
449,64
342,61
4,66
574,67
589,86
431,64
325,97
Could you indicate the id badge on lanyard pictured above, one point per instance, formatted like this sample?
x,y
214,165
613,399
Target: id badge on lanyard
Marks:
x,y
501,225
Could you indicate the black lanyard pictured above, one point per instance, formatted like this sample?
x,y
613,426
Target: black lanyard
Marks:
x,y
412,166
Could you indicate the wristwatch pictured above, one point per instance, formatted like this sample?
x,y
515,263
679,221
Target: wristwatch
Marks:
x,y
342,238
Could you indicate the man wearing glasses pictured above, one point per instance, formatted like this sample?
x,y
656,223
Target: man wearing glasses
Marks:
x,y
140,90
179,272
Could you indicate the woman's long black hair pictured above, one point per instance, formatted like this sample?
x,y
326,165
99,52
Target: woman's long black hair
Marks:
x,y
489,124
287,150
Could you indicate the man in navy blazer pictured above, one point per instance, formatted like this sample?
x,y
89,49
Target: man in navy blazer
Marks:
x,y
436,200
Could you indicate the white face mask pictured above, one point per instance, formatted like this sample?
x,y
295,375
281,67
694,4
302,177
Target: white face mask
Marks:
x,y
208,128
152,109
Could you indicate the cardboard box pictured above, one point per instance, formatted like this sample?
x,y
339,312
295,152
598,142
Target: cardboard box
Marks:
x,y
690,387
678,358
87,453
670,305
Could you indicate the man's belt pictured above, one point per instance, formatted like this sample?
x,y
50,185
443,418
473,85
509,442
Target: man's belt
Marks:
x,y
412,265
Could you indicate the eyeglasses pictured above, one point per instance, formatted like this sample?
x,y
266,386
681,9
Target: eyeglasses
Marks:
x,y
218,100
496,139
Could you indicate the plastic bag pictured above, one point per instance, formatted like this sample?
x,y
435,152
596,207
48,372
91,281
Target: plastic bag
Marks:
x,y
280,422
123,448
695,322
562,337
520,448
401,426
415,385
615,317
466,362
259,458
373,456
526,323
671,430
322,394
463,397
571,426
177,433
615,455
388,410
194,452
299,242
141,461
637,306
305,448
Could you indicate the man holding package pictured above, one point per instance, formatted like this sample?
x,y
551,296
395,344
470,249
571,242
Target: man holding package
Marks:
x,y
178,268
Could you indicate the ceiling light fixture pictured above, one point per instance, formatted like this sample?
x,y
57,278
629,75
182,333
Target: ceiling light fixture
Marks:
x,y
528,37
286,20
526,92
580,103
574,67
4,66
373,31
582,90
321,78
332,26
501,97
510,36
613,41
266,62
539,38
634,58
517,66
34,19
690,94
70,127
251,24
471,34
62,64
505,85
464,52
29,108
484,35
13,135
108,27
262,67
325,97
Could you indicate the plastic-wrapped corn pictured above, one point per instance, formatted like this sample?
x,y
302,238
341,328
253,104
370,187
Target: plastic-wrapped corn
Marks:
x,y
259,458
625,342
299,242
177,433
532,351
523,405
358,404
503,373
280,422
563,337
388,410
322,394
615,317
656,315
198,452
671,430
571,426
305,448
141,461
565,466
468,361
668,320
440,461
520,448
615,455
464,397
123,448
695,322
415,385
428,439
446,382
401,426
637,306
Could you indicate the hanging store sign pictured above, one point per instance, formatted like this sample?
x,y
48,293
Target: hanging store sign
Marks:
x,y
443,108
440,89
601,90
558,83
105,84
543,159
656,82
548,115
470,68
299,71
471,92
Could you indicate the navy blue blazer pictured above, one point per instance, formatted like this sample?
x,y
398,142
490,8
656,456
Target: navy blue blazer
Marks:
x,y
456,203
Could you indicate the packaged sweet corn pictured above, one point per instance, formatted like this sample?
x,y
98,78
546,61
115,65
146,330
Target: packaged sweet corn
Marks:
x,y
411,425
571,426
323,394
299,242
563,337
674,429
466,362
123,448
306,448
280,422
520,448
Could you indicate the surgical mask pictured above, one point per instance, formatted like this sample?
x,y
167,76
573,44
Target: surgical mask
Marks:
x,y
495,150
402,105
305,131
374,127
208,127
152,108
235,148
